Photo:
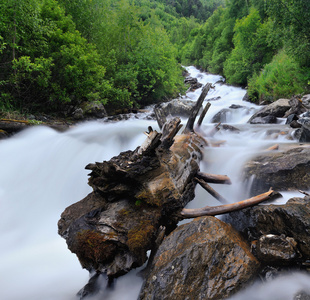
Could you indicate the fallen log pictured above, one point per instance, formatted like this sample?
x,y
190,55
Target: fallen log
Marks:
x,y
134,195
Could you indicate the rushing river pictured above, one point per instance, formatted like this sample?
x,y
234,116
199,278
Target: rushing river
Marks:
x,y
42,172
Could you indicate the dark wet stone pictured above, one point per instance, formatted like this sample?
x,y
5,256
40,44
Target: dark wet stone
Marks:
x,y
204,259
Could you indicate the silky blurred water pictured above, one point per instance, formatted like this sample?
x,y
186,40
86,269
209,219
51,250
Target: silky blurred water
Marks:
x,y
42,172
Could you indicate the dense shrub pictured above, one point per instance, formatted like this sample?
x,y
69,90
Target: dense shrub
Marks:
x,y
282,77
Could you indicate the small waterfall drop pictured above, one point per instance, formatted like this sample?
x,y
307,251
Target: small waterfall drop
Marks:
x,y
42,172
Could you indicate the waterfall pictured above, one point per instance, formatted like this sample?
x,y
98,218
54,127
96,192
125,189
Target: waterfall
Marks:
x,y
42,172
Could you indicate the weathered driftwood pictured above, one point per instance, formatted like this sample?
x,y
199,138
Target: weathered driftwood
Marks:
x,y
222,209
135,195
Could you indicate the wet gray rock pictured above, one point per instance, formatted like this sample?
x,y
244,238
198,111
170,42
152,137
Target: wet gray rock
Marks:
x,y
306,100
264,120
204,259
235,106
297,107
193,82
246,97
276,109
190,80
304,134
291,220
176,107
230,128
275,249
78,114
292,120
281,170
302,296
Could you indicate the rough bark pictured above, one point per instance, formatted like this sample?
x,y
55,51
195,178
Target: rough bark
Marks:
x,y
133,195
191,120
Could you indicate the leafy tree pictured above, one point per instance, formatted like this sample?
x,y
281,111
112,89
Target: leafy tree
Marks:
x,y
251,51
292,20
139,59
54,65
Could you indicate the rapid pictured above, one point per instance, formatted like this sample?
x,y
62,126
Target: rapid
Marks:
x,y
42,172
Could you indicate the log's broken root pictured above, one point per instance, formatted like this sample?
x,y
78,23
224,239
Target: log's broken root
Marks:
x,y
137,193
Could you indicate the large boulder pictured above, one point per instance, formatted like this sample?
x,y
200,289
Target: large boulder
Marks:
x,y
281,171
204,259
276,109
291,222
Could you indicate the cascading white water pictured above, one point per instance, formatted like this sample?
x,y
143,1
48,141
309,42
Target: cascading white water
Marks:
x,y
42,172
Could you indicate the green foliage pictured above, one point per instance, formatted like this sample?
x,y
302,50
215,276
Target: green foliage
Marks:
x,y
251,51
212,43
199,9
53,65
124,53
282,77
115,58
292,19
140,60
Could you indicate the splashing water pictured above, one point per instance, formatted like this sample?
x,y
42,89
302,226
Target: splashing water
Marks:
x,y
42,172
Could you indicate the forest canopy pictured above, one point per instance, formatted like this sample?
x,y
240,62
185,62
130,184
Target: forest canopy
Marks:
x,y
56,55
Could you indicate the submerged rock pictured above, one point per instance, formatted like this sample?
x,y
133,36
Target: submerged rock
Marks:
x,y
221,116
204,259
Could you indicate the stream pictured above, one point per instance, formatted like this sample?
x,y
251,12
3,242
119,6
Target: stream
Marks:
x,y
42,172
